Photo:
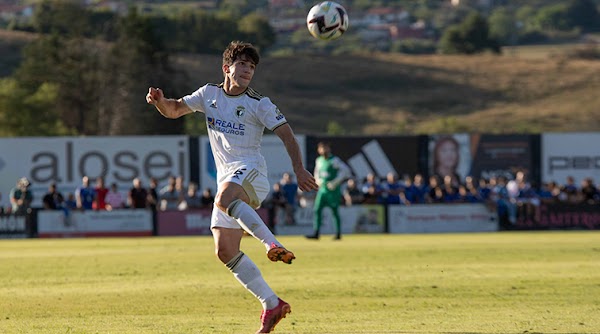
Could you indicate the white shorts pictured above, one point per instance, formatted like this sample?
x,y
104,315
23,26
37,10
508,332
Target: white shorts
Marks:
x,y
254,183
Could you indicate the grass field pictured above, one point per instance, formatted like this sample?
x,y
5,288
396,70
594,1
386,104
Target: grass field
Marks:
x,y
546,282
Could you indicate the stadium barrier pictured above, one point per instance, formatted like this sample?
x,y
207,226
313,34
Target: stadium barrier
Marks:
x,y
189,222
15,226
118,223
441,218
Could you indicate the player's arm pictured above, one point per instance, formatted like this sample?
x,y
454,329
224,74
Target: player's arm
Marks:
x,y
343,173
306,181
170,108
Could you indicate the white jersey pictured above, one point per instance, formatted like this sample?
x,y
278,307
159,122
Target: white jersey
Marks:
x,y
235,125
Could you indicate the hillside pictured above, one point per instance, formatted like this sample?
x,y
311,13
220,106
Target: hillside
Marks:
x,y
400,94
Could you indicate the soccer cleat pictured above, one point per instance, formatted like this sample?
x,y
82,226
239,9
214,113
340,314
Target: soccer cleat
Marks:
x,y
313,236
270,318
279,253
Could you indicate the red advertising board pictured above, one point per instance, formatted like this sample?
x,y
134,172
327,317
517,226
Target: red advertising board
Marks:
x,y
189,222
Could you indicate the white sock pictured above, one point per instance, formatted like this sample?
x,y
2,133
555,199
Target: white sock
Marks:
x,y
251,222
247,273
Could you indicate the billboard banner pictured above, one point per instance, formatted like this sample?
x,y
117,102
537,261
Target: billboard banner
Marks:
x,y
570,154
355,219
441,218
117,223
272,148
13,227
548,216
450,155
189,222
65,160
504,155
378,155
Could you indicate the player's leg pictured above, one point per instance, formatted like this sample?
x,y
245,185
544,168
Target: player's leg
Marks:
x,y
335,209
227,237
237,197
317,214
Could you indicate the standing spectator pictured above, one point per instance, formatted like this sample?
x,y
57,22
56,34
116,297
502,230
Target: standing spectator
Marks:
x,y
432,196
330,172
570,190
275,203
21,197
52,200
114,198
290,190
191,199
208,199
393,190
100,197
70,203
589,192
169,196
421,188
153,195
352,195
138,196
85,194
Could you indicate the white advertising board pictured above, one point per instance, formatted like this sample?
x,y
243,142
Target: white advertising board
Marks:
x,y
126,222
441,218
272,148
570,154
354,219
65,160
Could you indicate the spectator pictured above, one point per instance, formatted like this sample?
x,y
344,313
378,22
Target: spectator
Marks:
x,y
100,194
153,195
352,195
589,192
290,191
114,198
372,190
138,195
393,190
169,196
434,183
570,190
85,194
208,199
70,203
21,197
191,199
420,188
52,200
275,204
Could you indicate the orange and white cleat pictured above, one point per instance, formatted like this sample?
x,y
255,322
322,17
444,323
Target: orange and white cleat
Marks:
x,y
270,318
279,253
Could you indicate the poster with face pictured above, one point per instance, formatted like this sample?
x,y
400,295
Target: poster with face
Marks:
x,y
449,155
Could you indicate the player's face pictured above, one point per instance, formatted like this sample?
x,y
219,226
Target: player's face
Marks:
x,y
240,73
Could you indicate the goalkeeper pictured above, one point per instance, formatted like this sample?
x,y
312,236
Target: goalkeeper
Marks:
x,y
330,172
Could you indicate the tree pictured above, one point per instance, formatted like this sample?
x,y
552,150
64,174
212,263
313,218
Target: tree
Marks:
x,y
583,14
503,26
469,37
257,30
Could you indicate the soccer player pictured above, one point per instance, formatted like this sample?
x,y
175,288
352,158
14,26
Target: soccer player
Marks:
x,y
330,172
236,116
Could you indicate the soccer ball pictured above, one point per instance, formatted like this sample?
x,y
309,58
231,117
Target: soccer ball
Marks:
x,y
327,20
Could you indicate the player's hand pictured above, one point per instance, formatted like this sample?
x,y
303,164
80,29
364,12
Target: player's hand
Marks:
x,y
154,95
331,186
306,182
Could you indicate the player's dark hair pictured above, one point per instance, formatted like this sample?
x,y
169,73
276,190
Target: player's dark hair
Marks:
x,y
235,49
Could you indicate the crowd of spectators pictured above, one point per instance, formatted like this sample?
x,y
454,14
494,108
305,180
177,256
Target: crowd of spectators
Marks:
x,y
97,196
506,195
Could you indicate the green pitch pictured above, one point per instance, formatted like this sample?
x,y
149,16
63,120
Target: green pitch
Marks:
x,y
547,282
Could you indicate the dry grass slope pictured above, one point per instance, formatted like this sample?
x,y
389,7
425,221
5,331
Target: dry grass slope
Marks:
x,y
399,94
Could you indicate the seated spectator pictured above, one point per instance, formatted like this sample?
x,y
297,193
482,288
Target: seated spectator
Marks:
x,y
114,198
52,200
